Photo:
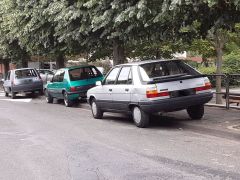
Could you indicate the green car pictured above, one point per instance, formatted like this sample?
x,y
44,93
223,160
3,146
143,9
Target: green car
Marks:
x,y
72,83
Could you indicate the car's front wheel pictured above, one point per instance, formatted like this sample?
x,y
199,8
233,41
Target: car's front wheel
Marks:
x,y
96,111
196,112
67,101
49,98
140,118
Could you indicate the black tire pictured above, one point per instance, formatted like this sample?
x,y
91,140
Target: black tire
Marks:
x,y
96,111
140,118
49,98
67,101
33,94
6,94
196,112
41,92
13,94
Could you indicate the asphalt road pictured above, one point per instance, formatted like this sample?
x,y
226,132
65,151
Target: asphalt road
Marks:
x,y
49,141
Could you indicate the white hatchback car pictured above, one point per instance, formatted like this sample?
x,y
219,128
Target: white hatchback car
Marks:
x,y
149,87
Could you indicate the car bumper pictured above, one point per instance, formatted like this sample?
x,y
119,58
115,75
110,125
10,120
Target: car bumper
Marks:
x,y
28,88
78,94
174,104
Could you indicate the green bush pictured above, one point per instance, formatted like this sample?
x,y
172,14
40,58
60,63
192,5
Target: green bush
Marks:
x,y
231,64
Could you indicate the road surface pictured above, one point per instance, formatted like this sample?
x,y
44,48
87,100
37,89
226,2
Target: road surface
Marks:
x,y
49,141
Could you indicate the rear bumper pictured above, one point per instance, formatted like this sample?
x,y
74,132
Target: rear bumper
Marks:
x,y
82,90
78,93
174,104
27,88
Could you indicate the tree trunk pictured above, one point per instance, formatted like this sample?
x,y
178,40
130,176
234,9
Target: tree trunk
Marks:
x,y
118,52
158,56
24,62
60,61
6,66
205,61
219,44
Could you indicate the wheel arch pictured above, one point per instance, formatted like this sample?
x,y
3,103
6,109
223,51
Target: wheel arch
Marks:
x,y
131,105
91,97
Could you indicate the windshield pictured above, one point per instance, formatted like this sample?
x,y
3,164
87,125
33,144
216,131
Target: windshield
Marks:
x,y
25,73
165,69
84,73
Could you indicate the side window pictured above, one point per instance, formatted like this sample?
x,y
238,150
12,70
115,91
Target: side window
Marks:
x,y
56,76
112,76
61,76
125,76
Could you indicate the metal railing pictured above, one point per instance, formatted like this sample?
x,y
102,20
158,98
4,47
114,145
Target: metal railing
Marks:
x,y
227,93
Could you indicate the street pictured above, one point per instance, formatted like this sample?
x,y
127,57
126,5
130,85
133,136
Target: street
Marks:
x,y
49,141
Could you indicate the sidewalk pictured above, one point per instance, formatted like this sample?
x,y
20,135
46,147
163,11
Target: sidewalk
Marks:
x,y
217,121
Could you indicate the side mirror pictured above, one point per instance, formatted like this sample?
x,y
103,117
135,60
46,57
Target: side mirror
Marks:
x,y
98,83
2,80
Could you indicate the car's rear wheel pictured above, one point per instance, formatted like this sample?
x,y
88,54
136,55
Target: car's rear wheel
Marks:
x,y
196,112
49,98
140,118
67,101
13,95
6,94
33,94
96,111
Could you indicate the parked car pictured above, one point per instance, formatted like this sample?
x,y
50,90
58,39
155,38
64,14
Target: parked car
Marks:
x,y
72,83
22,80
46,74
148,87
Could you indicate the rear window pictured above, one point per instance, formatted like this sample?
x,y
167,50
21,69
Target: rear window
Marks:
x,y
25,73
165,69
84,73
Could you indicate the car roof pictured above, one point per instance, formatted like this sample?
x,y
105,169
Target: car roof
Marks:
x,y
146,62
22,69
76,67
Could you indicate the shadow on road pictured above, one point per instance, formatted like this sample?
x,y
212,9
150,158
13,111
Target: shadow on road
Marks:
x,y
156,121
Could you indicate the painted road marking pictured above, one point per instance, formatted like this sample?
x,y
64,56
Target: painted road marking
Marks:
x,y
18,100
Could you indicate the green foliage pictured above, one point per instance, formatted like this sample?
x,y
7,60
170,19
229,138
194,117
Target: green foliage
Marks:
x,y
207,70
148,28
231,63
202,47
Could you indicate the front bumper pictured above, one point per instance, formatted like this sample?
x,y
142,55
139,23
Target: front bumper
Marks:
x,y
174,104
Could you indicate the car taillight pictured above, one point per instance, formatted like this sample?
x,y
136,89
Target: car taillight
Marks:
x,y
207,86
73,89
153,93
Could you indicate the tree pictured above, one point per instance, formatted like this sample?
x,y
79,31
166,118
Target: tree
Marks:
x,y
10,50
28,23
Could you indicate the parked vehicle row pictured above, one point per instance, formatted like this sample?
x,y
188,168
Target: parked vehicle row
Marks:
x,y
140,89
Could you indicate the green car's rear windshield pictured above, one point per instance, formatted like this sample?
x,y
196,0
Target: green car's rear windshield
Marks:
x,y
84,73
165,69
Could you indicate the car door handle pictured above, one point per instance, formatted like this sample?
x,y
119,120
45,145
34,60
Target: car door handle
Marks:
x,y
127,89
110,90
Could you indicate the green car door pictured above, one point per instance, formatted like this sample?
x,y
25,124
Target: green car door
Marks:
x,y
55,86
